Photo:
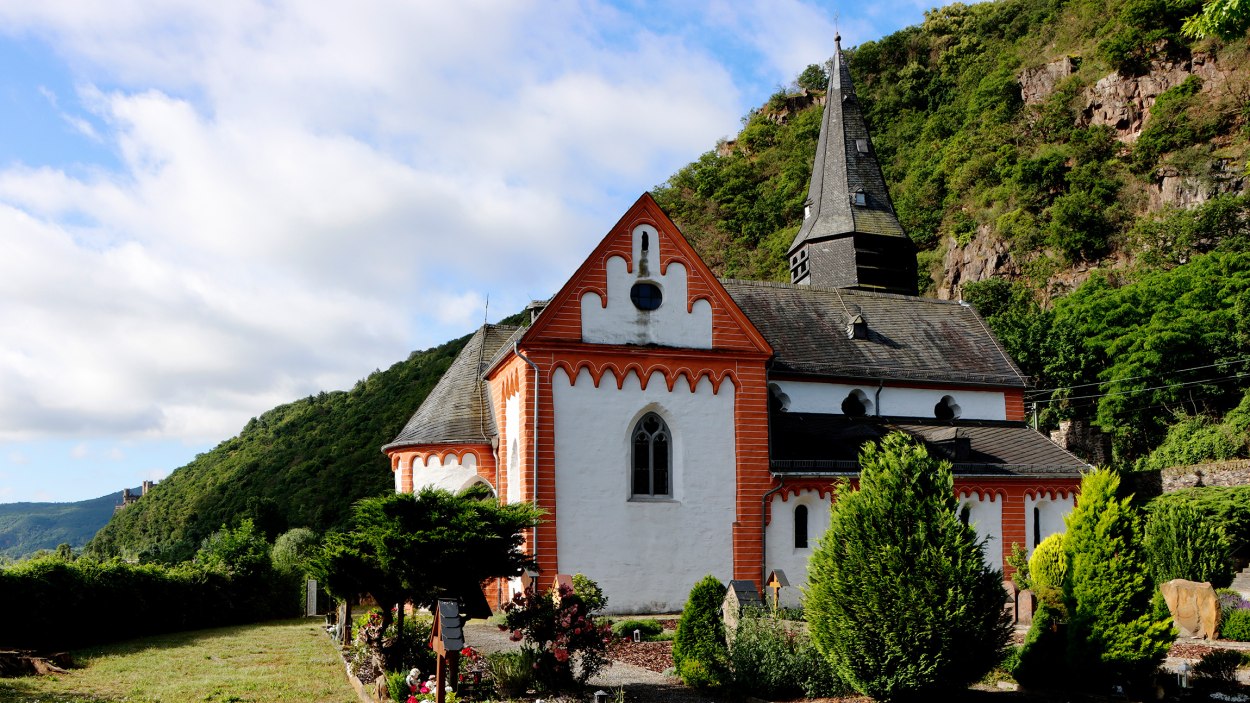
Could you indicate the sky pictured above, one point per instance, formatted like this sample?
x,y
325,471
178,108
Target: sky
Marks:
x,y
210,209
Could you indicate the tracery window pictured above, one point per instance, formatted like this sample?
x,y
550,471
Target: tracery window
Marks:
x,y
652,443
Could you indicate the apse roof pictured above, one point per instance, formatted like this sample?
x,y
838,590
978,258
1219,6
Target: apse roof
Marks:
x,y
455,410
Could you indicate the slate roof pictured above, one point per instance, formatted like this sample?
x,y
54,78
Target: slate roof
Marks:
x,y
909,338
841,168
816,443
455,411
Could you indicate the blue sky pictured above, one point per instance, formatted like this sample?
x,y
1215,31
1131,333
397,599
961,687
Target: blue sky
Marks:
x,y
209,209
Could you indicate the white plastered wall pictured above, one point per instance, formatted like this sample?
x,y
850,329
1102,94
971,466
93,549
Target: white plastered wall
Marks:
x,y
512,446
985,514
806,397
780,552
1052,508
620,322
645,553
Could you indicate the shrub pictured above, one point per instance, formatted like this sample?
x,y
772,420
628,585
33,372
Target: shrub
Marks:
x,y
1048,566
625,628
590,592
699,652
1182,543
899,598
397,684
1042,654
512,672
1113,634
1236,626
774,661
1219,666
568,648
69,605
1229,506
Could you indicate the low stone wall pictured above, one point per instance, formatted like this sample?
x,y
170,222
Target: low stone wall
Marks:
x,y
1223,473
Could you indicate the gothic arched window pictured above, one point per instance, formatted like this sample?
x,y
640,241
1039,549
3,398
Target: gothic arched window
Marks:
x,y
652,444
800,527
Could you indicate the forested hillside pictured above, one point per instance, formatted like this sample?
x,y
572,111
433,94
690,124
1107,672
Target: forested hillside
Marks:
x,y
1065,166
299,465
1074,169
26,528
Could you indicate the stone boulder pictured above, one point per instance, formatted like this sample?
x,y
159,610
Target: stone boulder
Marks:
x,y
1194,607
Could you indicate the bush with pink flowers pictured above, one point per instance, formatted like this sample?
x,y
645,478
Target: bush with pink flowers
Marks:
x,y
567,645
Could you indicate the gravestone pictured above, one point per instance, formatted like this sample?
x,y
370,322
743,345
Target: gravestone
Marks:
x,y
740,594
1194,607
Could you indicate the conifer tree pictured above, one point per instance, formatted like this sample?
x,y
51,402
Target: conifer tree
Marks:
x,y
900,600
1113,634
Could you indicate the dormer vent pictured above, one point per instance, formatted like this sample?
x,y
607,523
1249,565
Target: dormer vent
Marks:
x,y
857,328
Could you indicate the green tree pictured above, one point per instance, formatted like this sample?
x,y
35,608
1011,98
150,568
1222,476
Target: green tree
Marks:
x,y
814,77
699,652
238,552
1227,19
293,549
418,548
900,600
1113,634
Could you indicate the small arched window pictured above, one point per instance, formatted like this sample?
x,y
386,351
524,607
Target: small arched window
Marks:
x,y
652,453
800,527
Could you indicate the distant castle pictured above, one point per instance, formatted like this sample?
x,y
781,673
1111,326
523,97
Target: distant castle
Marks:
x,y
129,498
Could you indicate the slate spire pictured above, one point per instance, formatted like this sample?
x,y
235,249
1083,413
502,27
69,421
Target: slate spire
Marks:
x,y
850,237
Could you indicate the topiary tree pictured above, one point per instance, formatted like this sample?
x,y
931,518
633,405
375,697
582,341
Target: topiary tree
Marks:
x,y
1114,635
1182,543
899,598
699,652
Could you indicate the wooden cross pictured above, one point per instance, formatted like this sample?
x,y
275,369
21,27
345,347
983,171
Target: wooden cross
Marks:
x,y
776,581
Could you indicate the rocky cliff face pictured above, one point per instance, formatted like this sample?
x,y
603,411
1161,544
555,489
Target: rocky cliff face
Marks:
x,y
1122,103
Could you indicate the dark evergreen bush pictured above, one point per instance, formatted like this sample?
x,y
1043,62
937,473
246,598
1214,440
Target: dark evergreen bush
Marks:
x,y
900,600
1114,635
1183,543
699,652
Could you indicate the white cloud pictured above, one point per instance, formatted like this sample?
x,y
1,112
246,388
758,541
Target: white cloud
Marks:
x,y
80,451
308,190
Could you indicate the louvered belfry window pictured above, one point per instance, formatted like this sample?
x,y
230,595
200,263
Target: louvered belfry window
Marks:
x,y
652,453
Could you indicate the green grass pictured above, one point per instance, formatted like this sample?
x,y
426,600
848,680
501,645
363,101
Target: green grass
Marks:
x,y
287,660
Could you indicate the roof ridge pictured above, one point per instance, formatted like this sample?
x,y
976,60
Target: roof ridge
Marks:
x,y
841,291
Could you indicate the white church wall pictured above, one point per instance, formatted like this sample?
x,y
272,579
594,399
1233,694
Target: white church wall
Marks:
x,y
985,514
400,469
621,322
807,397
780,551
1047,519
512,446
646,553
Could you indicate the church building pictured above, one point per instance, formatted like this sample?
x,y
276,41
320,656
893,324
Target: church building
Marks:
x,y
672,424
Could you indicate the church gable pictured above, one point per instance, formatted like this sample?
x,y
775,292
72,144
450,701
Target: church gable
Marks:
x,y
644,285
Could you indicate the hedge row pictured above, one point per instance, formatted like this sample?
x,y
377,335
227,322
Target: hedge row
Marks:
x,y
54,604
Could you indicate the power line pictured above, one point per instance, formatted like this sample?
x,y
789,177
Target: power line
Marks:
x,y
1143,390
1134,378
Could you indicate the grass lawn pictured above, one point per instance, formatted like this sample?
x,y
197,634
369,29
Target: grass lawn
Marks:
x,y
285,660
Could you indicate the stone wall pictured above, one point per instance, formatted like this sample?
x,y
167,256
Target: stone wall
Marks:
x,y
1223,473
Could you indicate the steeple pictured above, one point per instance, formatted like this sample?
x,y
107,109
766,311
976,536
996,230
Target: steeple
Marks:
x,y
850,237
